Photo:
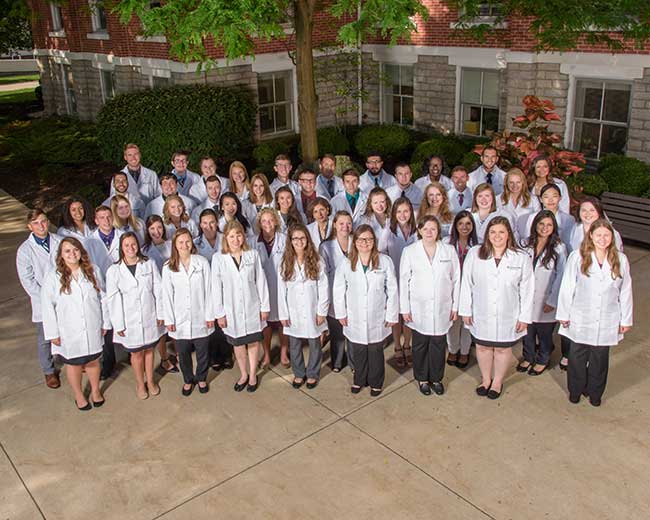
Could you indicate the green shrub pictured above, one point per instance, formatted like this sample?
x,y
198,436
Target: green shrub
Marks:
x,y
471,161
266,151
593,184
330,140
92,193
450,149
625,175
391,141
205,120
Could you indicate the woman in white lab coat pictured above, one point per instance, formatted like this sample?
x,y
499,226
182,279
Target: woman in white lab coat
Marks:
x,y
550,199
303,301
333,252
548,254
377,212
462,238
35,257
429,289
595,309
435,202
176,217
77,219
400,233
321,227
260,197
484,209
187,308
75,318
231,209
541,174
134,296
270,244
366,304
238,177
589,210
124,218
516,198
285,205
496,302
241,301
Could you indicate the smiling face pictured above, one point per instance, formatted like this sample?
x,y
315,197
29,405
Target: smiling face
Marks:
x,y
229,207
238,175
429,231
460,178
120,183
180,164
498,236
307,181
235,240
39,226
484,200
132,157
175,208
403,176
343,226
378,204
214,189
319,213
156,232
208,167
515,184
71,255
327,167
545,228
434,197
208,225
282,168
464,227
257,187
104,221
123,210
183,245
550,200
130,248
435,168
351,184
374,164
489,159
542,169
365,242
299,241
602,238
403,213
77,211
168,186
588,213
285,201
267,223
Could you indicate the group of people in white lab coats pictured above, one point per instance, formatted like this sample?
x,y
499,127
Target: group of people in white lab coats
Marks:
x,y
218,264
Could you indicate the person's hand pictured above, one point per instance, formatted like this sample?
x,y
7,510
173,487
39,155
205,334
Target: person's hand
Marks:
x,y
344,322
624,328
104,331
264,316
285,323
548,308
319,320
407,317
521,326
467,320
209,324
120,333
453,316
222,322
160,323
171,328
56,341
565,324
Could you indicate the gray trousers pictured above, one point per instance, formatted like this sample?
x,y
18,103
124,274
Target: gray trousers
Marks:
x,y
44,350
298,359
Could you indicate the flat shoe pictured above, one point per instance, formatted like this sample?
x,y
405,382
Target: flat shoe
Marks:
x,y
493,394
142,395
98,404
374,392
452,359
251,388
438,388
462,364
297,383
355,389
575,399
204,389
594,402
154,390
481,391
311,386
187,391
425,389
239,387
521,368
533,372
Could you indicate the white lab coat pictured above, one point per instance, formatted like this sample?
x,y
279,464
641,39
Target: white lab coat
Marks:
x,y
321,186
159,253
454,202
595,305
578,235
74,232
190,225
240,295
206,204
479,176
393,244
424,181
138,232
519,210
271,266
76,318
204,248
367,181
191,179
135,303
198,193
187,299
147,187
565,199
340,203
314,232
137,204
429,290
374,224
481,225
100,255
412,193
291,184
155,207
547,284
368,300
33,263
332,256
300,300
250,211
497,297
565,225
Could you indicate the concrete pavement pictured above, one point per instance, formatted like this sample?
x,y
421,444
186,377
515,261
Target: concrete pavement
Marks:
x,y
321,453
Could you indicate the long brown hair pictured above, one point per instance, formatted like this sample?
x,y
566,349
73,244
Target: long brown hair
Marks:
x,y
84,264
393,215
445,214
267,196
339,214
175,259
139,254
524,196
486,250
368,212
587,247
354,252
230,226
293,213
151,219
312,260
479,189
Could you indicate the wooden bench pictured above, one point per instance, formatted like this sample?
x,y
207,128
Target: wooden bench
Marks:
x,y
629,215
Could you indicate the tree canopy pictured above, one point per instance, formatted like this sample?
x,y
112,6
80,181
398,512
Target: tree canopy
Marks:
x,y
15,29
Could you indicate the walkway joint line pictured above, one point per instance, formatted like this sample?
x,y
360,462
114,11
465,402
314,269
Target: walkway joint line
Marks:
x,y
21,480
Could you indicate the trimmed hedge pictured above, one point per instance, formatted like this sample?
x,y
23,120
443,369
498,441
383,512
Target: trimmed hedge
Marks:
x,y
266,151
449,148
391,141
594,185
330,140
625,175
205,120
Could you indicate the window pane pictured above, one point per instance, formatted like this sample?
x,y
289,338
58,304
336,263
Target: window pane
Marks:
x,y
617,102
387,116
265,89
406,79
109,84
471,86
490,120
266,120
281,88
588,99
491,88
396,110
614,140
283,118
586,138
160,82
407,111
471,119
101,18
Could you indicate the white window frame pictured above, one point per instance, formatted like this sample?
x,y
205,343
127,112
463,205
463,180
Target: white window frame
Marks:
x,y
57,21
103,85
577,119
461,129
156,38
489,19
383,94
98,32
291,102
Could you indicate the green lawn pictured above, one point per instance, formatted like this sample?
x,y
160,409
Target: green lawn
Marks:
x,y
18,78
17,96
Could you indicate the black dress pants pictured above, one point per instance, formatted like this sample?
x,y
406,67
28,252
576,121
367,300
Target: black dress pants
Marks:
x,y
184,350
337,344
369,369
108,355
429,357
220,349
588,368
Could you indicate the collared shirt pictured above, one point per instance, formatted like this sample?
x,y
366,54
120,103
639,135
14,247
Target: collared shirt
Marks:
x,y
328,185
107,239
43,242
180,178
135,173
306,199
352,199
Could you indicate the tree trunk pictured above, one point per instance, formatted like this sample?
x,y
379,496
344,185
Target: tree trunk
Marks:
x,y
307,100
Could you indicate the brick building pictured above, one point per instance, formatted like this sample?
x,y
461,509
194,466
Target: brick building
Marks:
x,y
441,79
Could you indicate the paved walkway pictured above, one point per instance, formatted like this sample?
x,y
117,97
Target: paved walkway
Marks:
x,y
324,453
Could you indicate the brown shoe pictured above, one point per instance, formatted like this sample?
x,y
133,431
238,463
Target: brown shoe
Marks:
x,y
52,380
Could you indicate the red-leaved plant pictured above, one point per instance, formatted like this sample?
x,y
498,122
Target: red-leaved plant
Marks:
x,y
518,149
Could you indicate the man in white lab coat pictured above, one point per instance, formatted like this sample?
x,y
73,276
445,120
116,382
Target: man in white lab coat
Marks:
x,y
185,178
352,199
142,181
488,172
375,175
328,184
404,187
120,186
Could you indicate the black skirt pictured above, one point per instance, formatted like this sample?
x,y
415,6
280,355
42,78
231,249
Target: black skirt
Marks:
x,y
494,344
245,340
82,360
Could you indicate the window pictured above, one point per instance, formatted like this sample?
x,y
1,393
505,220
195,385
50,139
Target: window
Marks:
x,y
479,102
398,94
489,10
600,124
159,81
275,93
107,78
98,16
488,13
68,90
57,17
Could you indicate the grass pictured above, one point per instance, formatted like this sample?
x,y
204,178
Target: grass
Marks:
x,y
25,95
19,78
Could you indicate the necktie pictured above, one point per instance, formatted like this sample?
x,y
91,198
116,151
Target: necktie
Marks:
x,y
135,174
330,187
353,203
403,194
461,198
376,181
488,178
216,208
181,181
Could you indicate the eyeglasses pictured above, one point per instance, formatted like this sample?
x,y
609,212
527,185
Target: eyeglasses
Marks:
x,y
374,162
299,239
307,181
180,161
366,240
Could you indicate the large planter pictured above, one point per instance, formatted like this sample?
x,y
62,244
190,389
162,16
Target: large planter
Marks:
x,y
629,215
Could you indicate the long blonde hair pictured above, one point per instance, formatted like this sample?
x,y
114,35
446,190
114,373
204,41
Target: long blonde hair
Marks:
x,y
445,215
268,196
233,184
524,196
120,223
587,247
167,218
233,225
